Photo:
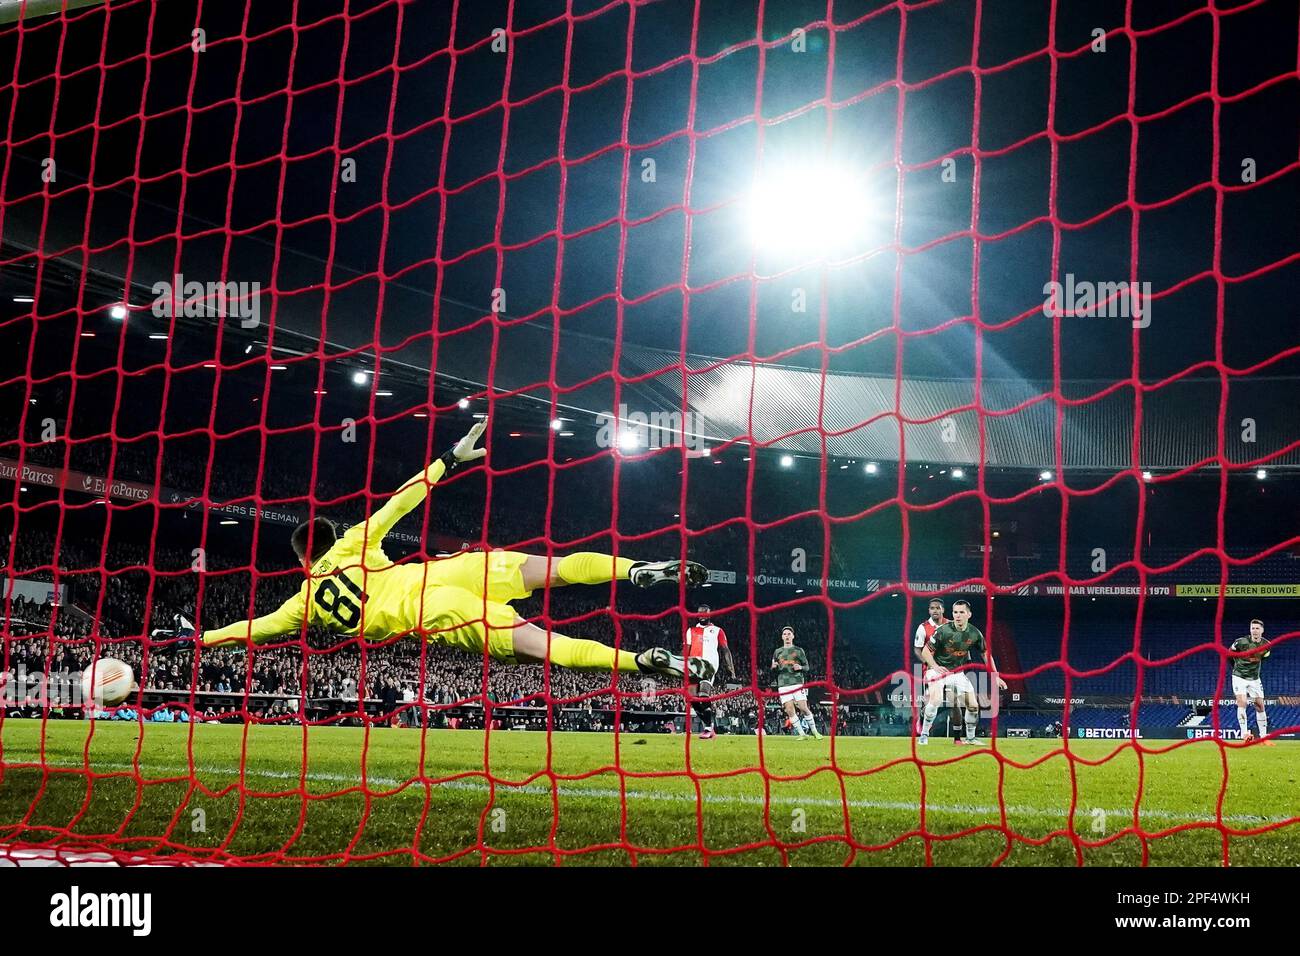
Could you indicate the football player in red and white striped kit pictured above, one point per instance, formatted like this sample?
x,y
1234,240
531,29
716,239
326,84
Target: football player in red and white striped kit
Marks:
x,y
925,630
706,642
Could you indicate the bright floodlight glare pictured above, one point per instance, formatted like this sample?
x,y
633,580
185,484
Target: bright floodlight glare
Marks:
x,y
1261,474
1045,476
871,468
1146,476
358,378
629,440
807,208
463,403
118,311
707,452
959,472
787,461
556,424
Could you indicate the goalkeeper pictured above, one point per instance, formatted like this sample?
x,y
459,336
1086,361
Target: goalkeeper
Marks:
x,y
461,601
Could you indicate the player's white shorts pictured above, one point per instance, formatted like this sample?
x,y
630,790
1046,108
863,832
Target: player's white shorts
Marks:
x,y
793,692
710,664
959,682
1251,688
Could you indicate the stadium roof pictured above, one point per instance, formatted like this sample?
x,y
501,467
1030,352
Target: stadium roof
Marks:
x,y
732,398
792,408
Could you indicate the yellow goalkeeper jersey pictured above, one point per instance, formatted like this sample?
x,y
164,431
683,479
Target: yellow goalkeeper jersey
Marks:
x,y
354,587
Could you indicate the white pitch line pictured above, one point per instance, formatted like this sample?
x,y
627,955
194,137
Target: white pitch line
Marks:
x,y
608,793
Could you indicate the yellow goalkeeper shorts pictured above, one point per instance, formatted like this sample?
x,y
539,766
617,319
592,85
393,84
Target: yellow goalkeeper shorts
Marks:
x,y
460,618
495,575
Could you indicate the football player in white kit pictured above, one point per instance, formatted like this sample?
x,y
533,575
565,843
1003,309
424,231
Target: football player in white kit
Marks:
x,y
706,643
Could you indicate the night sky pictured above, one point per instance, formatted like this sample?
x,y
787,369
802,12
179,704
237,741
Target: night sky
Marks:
x,y
281,100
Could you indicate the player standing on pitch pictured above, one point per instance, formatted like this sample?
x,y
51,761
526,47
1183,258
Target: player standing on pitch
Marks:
x,y
791,665
924,631
704,643
951,646
352,586
1246,683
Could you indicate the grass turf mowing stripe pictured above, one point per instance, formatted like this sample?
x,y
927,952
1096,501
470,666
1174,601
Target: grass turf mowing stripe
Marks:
x,y
612,793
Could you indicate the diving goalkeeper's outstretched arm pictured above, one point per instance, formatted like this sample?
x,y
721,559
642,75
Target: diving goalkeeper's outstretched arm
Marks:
x,y
411,494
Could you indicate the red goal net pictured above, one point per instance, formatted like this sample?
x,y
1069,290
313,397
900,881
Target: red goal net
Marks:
x,y
858,305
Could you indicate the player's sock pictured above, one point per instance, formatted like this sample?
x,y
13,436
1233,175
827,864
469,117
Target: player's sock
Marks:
x,y
809,724
1261,721
931,712
592,567
581,655
705,710
972,721
1241,720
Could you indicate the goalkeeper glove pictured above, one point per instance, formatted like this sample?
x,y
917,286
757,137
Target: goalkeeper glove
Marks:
x,y
465,449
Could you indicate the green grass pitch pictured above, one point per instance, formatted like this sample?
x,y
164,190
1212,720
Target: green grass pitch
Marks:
x,y
398,796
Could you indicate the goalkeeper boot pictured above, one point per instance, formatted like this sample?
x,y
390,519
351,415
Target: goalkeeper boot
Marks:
x,y
922,740
181,631
646,574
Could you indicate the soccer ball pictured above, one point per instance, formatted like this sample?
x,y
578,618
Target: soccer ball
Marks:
x,y
107,682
